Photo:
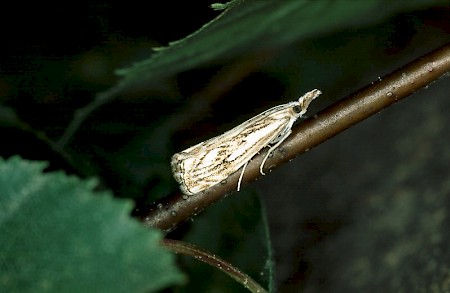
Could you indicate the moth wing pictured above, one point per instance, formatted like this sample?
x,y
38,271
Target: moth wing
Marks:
x,y
208,163
203,165
256,138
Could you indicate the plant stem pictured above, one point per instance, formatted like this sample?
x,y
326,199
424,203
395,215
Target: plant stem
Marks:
x,y
211,259
169,211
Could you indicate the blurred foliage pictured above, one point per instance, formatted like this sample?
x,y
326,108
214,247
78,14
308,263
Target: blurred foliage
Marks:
x,y
58,235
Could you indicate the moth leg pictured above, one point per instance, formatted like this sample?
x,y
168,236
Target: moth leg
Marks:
x,y
240,177
272,148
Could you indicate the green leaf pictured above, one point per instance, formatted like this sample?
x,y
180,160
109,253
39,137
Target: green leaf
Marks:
x,y
257,25
57,235
235,230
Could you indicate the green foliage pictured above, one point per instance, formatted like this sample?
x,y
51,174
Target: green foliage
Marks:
x,y
255,25
57,235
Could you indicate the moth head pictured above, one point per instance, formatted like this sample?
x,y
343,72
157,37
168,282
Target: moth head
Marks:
x,y
305,100
297,109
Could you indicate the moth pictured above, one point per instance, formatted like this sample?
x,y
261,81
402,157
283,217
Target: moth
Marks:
x,y
212,161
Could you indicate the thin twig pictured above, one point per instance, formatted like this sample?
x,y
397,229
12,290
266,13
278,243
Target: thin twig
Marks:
x,y
214,261
83,113
169,211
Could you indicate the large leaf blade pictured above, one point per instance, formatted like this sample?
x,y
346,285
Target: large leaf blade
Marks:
x,y
57,235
